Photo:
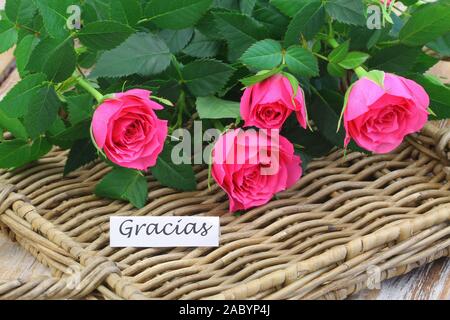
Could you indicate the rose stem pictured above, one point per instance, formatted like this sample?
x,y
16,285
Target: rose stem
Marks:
x,y
89,88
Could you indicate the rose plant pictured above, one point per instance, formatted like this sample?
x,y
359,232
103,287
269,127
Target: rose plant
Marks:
x,y
114,80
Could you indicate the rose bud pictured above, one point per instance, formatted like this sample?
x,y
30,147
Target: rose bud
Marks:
x,y
378,116
251,167
268,104
128,131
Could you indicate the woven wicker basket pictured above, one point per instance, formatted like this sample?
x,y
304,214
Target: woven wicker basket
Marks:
x,y
350,221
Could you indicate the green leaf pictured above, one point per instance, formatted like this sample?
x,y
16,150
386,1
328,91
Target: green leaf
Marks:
x,y
390,59
66,136
265,54
42,111
323,113
79,107
13,125
54,58
240,31
8,35
81,153
54,14
39,148
124,184
439,95
347,11
335,70
16,103
142,53
126,11
301,62
176,40
180,177
215,108
441,45
307,22
426,24
23,53
176,14
274,21
247,6
202,46
16,153
20,11
354,59
206,77
104,35
260,76
339,53
291,7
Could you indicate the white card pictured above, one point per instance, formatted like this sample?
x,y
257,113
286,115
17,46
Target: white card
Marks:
x,y
147,232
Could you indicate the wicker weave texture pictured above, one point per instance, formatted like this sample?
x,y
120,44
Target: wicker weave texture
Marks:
x,y
351,221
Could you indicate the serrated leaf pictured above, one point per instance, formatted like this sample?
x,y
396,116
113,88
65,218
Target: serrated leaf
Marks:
x,y
354,59
260,76
265,54
339,53
16,153
214,108
180,177
126,11
206,77
202,46
42,111
81,153
247,6
306,23
124,184
56,59
240,31
141,53
428,23
390,60
275,22
54,13
290,7
176,14
335,70
8,35
16,103
439,95
441,45
20,11
23,53
79,107
104,35
323,113
12,125
347,11
301,62
176,40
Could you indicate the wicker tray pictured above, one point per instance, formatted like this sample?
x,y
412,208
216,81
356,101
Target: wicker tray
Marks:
x,y
350,222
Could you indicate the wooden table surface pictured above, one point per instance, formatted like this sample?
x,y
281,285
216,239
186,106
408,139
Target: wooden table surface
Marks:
x,y
431,281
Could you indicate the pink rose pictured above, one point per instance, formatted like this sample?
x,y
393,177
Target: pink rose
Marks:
x,y
267,104
253,166
127,129
378,118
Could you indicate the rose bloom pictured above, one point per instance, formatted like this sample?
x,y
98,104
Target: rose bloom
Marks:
x,y
378,118
268,104
251,167
127,129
